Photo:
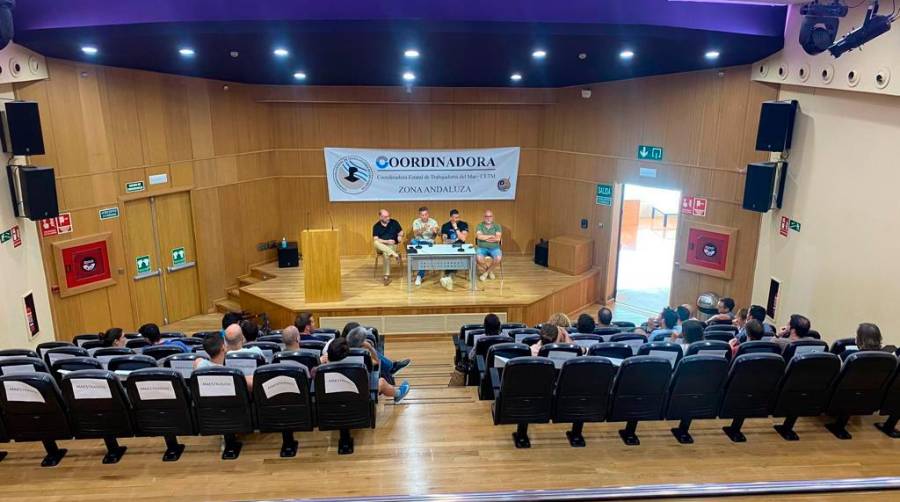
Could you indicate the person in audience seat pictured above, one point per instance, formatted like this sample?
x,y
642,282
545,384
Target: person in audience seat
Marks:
x,y
230,318
684,314
305,324
690,311
151,332
549,334
488,236
726,311
234,341
290,337
387,234
868,337
562,322
339,349
393,367
668,320
604,318
585,324
492,327
455,231
691,331
250,330
754,330
113,337
797,329
758,313
740,320
215,347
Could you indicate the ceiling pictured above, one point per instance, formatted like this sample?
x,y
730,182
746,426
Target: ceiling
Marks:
x,y
362,42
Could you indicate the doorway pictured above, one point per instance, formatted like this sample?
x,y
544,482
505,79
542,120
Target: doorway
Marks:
x,y
647,236
161,257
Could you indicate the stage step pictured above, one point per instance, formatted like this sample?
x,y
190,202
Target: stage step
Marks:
x,y
227,305
247,280
234,294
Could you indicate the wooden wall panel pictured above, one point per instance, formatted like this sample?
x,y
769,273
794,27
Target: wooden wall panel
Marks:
x,y
255,165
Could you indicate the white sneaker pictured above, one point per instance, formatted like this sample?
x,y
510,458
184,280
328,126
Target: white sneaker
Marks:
x,y
447,282
492,276
483,277
418,280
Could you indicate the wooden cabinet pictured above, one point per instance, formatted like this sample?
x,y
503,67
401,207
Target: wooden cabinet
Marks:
x,y
570,254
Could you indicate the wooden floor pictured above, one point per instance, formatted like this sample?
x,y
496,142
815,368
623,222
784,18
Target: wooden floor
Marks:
x,y
441,440
521,292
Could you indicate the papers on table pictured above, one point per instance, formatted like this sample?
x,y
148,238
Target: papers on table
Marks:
x,y
17,369
500,362
560,356
667,354
808,349
247,366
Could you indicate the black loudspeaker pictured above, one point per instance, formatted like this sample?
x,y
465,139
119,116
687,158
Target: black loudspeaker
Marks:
x,y
38,188
289,256
759,185
23,125
541,253
776,126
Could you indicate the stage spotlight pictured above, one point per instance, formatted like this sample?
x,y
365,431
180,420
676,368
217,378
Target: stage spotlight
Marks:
x,y
872,27
820,25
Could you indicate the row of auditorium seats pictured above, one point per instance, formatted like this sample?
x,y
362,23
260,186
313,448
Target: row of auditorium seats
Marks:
x,y
700,386
160,402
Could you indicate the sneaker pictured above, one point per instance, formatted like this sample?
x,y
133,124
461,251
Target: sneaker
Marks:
x,y
418,280
386,280
483,277
402,391
447,282
399,365
491,276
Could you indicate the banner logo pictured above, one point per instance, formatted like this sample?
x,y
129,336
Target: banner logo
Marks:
x,y
353,174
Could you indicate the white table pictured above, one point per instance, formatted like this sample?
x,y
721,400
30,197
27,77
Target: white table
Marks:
x,y
441,257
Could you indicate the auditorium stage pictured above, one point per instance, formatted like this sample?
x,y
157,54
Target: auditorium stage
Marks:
x,y
527,293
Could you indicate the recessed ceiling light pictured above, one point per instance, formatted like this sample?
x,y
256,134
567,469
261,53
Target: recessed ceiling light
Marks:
x,y
626,54
539,54
409,76
186,51
89,50
411,53
515,77
300,75
280,52
712,54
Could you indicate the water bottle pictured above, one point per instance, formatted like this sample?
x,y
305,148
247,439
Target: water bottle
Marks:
x,y
283,243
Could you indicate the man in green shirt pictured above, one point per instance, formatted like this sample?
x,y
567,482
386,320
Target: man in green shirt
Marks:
x,y
488,236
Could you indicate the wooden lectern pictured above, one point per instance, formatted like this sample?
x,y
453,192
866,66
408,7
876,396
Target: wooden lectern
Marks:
x,y
321,265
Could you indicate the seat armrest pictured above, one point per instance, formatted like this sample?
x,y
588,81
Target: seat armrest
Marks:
x,y
373,384
479,360
495,381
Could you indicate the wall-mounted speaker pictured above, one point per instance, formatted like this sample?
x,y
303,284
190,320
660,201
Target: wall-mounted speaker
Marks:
x,y
776,126
23,129
759,185
37,189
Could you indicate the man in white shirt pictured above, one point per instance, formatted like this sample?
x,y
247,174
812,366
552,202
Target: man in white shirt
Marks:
x,y
425,229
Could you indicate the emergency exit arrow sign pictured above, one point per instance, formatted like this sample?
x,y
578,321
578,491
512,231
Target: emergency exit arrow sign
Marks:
x,y
649,152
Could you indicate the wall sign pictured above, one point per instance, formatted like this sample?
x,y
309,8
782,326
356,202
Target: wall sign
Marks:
x,y
48,227
604,195
158,179
360,174
648,172
5,236
108,213
142,264
177,257
649,152
694,206
794,225
785,223
31,320
134,186
64,223
16,236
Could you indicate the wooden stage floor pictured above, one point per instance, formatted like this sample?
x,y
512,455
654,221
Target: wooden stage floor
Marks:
x,y
528,293
441,440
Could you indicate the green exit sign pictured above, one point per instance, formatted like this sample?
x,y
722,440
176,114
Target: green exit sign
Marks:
x,y
649,152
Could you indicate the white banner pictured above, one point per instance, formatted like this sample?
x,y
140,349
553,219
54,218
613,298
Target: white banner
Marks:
x,y
357,174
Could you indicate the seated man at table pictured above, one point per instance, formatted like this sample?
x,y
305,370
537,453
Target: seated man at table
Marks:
x,y
488,236
455,231
425,228
387,234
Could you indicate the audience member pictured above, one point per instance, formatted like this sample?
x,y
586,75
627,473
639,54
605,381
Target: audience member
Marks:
x,y
305,324
234,341
868,337
754,330
250,330
668,319
758,313
691,331
549,334
726,311
562,322
690,310
797,329
151,332
339,349
216,348
684,314
393,367
741,319
230,318
113,337
604,318
585,324
290,337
